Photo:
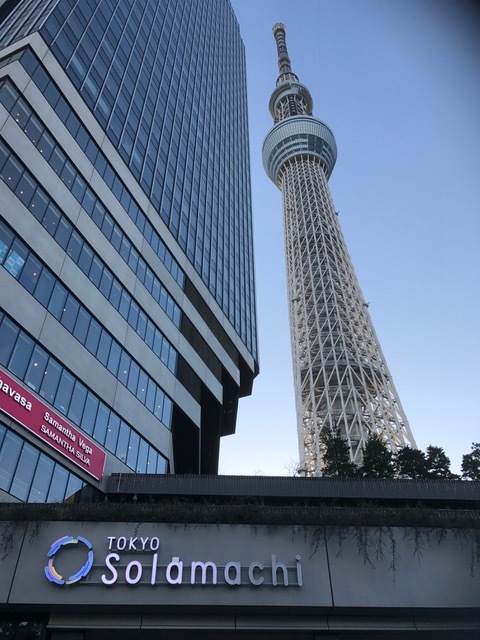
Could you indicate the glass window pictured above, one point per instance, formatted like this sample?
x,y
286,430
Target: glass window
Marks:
x,y
91,151
150,400
62,109
141,324
57,300
114,358
85,259
63,233
82,138
29,62
89,200
124,305
11,448
133,450
74,246
133,259
44,287
46,145
98,212
24,472
77,403
167,412
90,413
73,486
81,326
141,270
50,381
115,293
16,258
38,204
133,314
96,271
8,96
70,313
123,368
133,377
41,479
26,189
125,248
157,343
113,429
21,355
161,464
64,393
116,238
57,160
72,123
6,239
172,360
36,368
150,333
12,172
8,335
165,352
104,348
159,400
30,273
149,279
142,386
93,336
142,457
58,484
106,282
101,423
38,74
107,226
152,461
122,444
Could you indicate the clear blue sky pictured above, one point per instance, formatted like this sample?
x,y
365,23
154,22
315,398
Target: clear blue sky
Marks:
x,y
398,82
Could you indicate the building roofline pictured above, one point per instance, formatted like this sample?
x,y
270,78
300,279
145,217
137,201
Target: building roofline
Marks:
x,y
290,488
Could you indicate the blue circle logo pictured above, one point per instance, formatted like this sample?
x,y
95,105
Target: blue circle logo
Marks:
x,y
50,571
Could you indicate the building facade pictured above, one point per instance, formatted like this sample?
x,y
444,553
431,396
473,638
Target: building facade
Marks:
x,y
127,323
242,558
342,382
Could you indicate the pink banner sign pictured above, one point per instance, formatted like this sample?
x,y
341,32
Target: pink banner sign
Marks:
x,y
55,430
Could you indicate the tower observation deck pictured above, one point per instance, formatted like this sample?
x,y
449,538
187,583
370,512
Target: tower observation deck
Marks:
x,y
340,375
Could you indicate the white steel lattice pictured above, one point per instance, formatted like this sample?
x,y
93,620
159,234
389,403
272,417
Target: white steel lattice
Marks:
x,y
341,379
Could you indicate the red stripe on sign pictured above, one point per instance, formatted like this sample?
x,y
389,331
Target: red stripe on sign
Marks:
x,y
49,426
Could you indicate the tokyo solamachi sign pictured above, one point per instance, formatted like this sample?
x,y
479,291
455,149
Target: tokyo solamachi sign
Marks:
x,y
152,567
49,426
137,560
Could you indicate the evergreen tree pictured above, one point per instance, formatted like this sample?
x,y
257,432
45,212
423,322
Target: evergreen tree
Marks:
x,y
336,460
438,464
471,463
377,459
411,463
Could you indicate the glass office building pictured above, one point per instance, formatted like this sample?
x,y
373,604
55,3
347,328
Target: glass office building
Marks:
x,y
127,316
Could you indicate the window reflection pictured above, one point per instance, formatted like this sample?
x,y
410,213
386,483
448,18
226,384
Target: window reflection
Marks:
x,y
46,376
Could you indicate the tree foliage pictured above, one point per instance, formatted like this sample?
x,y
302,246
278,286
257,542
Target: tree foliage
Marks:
x,y
336,460
411,463
438,464
408,463
471,463
377,459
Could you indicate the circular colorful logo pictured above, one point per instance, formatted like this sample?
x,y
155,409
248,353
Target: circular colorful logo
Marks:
x,y
50,571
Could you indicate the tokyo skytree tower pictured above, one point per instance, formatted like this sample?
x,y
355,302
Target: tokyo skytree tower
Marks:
x,y
341,378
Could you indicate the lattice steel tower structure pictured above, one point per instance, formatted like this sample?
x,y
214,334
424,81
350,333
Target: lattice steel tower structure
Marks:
x,y
341,378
